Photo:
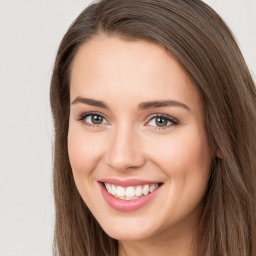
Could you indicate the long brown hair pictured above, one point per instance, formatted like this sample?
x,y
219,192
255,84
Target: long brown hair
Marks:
x,y
202,43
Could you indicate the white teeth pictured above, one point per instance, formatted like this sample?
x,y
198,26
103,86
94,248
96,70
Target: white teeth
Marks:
x,y
113,190
108,187
120,191
145,190
130,193
152,188
131,198
138,191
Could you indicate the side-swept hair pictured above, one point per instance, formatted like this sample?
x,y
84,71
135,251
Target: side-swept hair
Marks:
x,y
204,46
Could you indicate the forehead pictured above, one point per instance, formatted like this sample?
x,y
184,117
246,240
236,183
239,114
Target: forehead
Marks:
x,y
108,67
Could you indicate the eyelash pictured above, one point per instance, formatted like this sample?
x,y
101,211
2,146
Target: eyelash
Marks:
x,y
173,121
85,115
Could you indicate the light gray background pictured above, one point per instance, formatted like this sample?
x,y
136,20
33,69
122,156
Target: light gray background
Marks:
x,y
30,31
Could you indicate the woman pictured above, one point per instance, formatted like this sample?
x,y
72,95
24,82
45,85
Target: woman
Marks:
x,y
155,112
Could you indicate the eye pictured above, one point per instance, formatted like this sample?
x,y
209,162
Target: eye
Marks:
x,y
93,119
162,121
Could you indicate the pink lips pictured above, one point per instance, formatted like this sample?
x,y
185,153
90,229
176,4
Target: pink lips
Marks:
x,y
127,205
127,183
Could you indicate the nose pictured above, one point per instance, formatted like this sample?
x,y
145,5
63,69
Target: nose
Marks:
x,y
124,151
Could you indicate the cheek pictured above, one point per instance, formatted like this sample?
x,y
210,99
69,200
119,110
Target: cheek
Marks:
x,y
84,151
182,153
185,159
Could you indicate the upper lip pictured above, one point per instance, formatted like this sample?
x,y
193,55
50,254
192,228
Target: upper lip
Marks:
x,y
127,182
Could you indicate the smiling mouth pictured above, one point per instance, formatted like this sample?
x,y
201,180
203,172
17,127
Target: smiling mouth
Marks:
x,y
131,192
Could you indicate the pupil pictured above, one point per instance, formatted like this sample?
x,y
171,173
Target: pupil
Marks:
x,y
97,119
161,122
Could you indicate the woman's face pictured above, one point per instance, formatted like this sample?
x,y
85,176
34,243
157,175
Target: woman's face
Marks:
x,y
136,129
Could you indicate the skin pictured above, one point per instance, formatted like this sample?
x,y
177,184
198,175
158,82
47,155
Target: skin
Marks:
x,y
130,144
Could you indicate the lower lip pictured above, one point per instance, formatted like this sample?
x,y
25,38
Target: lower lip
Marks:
x,y
127,205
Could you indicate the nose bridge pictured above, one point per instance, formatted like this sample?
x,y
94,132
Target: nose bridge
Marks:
x,y
124,150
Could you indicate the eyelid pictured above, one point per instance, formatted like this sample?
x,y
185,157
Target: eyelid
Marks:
x,y
168,117
83,116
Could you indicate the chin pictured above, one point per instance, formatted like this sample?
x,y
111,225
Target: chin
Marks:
x,y
129,229
128,235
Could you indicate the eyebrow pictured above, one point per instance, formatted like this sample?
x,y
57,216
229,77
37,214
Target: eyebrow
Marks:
x,y
164,103
142,106
91,102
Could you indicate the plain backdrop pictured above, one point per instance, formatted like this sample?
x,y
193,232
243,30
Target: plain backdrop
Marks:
x,y
30,31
